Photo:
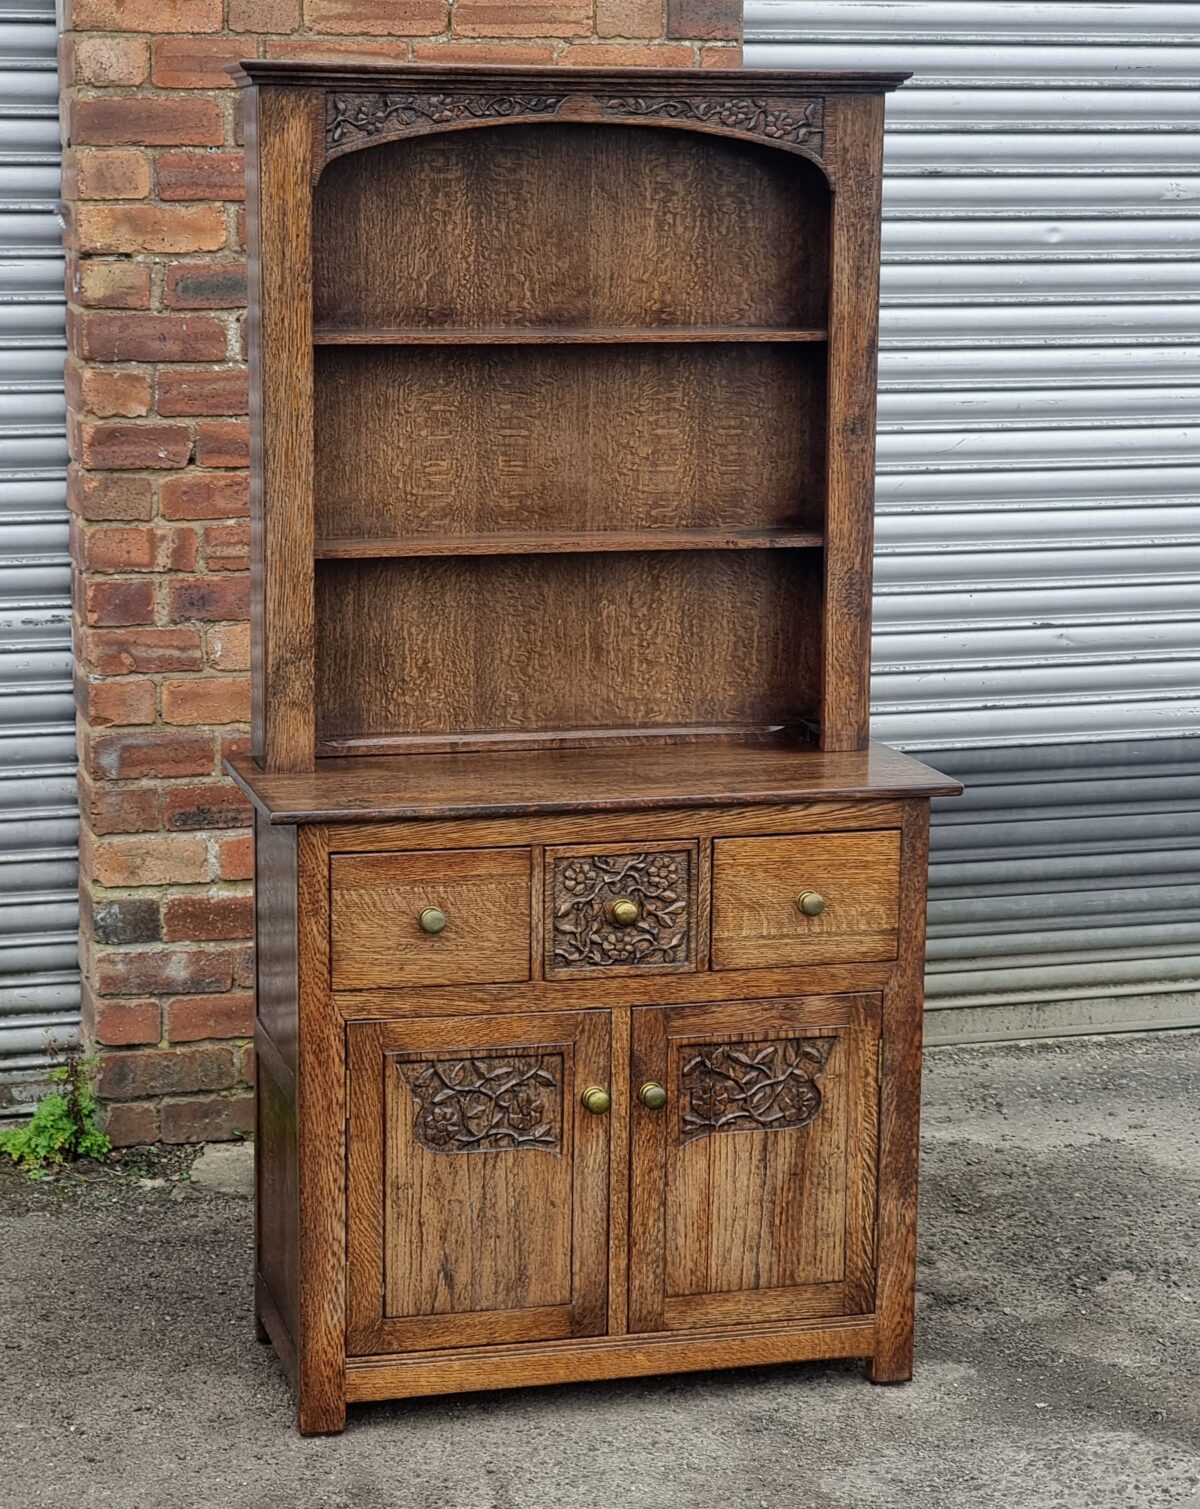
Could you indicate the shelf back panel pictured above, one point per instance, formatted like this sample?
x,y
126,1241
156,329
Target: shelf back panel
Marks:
x,y
520,645
570,225
484,440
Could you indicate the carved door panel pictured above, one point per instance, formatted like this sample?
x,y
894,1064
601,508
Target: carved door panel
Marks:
x,y
753,1186
478,1183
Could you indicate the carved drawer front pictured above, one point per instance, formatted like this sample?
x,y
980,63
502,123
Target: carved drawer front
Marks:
x,y
621,909
440,918
819,898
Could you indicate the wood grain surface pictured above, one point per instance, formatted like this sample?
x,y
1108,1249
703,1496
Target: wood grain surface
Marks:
x,y
757,883
570,225
376,901
544,782
507,644
489,1222
464,441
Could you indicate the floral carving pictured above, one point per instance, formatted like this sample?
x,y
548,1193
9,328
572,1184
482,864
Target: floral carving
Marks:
x,y
584,932
751,1087
351,118
798,126
486,1105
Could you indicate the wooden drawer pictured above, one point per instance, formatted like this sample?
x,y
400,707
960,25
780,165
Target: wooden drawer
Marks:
x,y
377,900
758,882
588,886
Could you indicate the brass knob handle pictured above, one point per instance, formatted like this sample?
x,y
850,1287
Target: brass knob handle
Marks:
x,y
653,1095
811,903
596,1100
623,911
432,920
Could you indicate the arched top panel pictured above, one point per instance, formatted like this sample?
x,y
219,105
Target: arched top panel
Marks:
x,y
566,224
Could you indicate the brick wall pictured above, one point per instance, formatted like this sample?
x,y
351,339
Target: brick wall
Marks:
x,y
157,398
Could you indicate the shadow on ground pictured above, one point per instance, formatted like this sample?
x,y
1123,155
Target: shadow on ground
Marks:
x,y
1058,1352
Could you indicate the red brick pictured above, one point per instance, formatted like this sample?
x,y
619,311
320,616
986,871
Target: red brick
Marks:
x,y
150,227
107,394
379,51
106,61
522,18
629,18
201,175
120,919
162,752
205,805
191,1019
151,338
90,174
212,599
118,602
119,703
720,55
165,971
137,121
223,443
173,1071
206,285
131,1124
237,858
148,859
227,547
97,495
233,743
705,20
117,652
111,285
627,55
197,496
144,548
123,1023
227,648
207,700
377,18
208,919
195,63
119,809
145,15
264,15
180,390
135,447
483,52
215,1118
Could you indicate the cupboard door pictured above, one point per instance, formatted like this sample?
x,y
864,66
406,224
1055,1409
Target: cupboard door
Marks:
x,y
478,1183
753,1185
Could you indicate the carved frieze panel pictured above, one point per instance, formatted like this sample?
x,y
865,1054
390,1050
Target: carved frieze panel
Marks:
x,y
628,910
798,123
763,1086
485,1105
352,119
358,118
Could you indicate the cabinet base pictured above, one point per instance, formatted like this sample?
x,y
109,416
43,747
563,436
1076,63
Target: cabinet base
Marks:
x,y
463,1371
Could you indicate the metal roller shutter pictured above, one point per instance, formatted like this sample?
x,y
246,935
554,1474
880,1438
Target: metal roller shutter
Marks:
x,y
1038,570
39,979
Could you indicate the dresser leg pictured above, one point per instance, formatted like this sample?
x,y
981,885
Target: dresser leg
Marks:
x,y
893,1366
321,1417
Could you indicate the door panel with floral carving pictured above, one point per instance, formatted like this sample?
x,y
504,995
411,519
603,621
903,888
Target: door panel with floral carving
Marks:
x,y
478,1189
753,1193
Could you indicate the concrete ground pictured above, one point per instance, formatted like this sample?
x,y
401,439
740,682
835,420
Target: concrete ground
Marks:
x,y
1058,1354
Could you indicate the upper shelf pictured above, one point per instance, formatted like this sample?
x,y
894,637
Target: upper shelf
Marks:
x,y
564,542
560,335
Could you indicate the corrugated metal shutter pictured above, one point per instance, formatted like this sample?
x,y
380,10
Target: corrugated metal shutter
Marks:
x,y
1038,569
39,979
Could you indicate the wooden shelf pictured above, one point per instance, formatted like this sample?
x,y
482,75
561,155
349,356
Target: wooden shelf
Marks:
x,y
551,335
581,542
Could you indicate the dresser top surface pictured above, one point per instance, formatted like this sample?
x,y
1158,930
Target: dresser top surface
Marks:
x,y
349,74
619,778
